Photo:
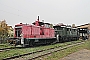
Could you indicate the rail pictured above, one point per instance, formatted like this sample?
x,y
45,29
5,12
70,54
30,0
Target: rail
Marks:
x,y
40,53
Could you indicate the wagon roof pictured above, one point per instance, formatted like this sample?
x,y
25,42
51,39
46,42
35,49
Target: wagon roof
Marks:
x,y
84,26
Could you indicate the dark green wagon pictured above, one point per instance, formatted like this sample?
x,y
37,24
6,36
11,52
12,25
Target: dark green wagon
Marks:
x,y
66,33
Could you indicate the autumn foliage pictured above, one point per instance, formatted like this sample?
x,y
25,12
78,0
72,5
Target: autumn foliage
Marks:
x,y
4,30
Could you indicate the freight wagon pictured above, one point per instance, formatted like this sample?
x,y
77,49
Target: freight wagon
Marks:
x,y
66,33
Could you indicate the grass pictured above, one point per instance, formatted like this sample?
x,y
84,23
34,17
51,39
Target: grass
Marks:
x,y
15,52
63,53
6,45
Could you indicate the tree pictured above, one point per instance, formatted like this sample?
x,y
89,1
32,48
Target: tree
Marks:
x,y
4,30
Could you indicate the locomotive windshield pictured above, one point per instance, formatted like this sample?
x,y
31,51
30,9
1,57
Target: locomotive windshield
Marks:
x,y
18,32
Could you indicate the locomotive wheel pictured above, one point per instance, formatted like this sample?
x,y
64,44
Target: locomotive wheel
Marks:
x,y
22,45
31,43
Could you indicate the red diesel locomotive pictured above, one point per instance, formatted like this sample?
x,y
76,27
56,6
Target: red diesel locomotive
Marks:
x,y
38,33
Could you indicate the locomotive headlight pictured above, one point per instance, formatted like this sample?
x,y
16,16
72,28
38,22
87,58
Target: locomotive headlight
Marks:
x,y
21,35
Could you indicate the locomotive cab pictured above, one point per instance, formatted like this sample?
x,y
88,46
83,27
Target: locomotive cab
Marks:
x,y
16,40
18,32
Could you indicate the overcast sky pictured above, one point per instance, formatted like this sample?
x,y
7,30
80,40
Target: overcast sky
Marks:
x,y
53,11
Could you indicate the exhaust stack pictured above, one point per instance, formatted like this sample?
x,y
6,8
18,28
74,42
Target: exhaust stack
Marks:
x,y
38,18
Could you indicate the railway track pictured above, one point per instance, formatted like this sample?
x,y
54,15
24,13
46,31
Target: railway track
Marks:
x,y
40,53
7,49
